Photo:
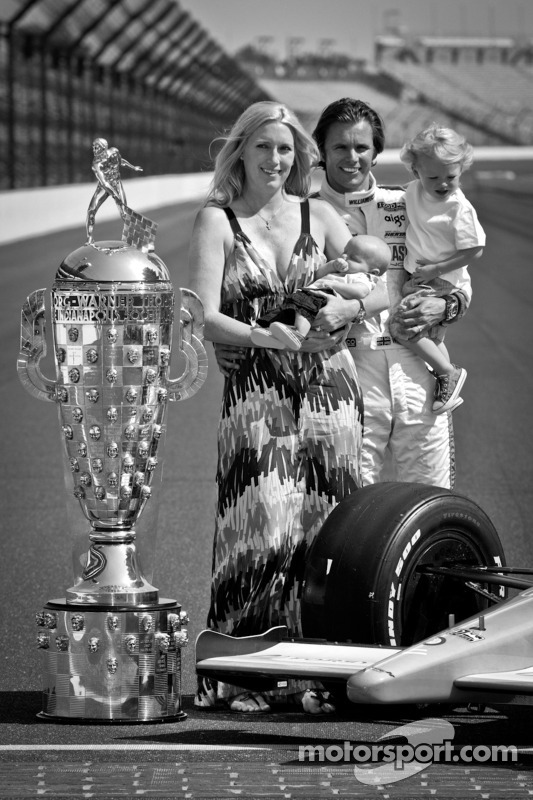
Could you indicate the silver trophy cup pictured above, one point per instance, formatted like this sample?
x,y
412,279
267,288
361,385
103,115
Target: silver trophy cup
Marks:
x,y
112,647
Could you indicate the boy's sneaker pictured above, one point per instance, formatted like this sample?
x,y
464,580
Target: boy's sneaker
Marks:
x,y
290,337
262,337
447,390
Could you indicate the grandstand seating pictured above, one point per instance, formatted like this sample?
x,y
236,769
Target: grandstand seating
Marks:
x,y
313,96
495,98
481,86
402,114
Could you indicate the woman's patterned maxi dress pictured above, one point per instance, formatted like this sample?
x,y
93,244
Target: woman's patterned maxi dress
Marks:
x,y
289,445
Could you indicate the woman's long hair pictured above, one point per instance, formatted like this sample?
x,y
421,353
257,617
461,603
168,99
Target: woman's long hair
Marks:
x,y
228,180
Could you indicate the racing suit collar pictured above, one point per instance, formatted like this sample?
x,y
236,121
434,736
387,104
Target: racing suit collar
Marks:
x,y
348,199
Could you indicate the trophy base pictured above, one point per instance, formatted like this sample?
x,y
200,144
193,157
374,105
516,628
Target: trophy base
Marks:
x,y
110,664
99,721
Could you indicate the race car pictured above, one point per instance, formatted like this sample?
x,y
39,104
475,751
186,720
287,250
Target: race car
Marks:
x,y
406,600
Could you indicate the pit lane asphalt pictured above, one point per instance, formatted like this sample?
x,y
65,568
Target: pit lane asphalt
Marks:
x,y
494,469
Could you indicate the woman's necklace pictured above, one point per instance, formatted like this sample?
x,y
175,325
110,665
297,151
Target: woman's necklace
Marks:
x,y
268,222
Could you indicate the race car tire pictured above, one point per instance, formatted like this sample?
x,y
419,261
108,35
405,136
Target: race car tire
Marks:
x,y
361,580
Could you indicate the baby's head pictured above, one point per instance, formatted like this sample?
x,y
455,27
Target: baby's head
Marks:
x,y
371,253
437,156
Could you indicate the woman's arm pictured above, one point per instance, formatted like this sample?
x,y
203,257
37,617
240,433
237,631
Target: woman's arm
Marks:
x,y
328,228
209,243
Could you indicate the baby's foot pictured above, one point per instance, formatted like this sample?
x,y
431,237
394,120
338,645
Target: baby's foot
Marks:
x,y
263,337
291,338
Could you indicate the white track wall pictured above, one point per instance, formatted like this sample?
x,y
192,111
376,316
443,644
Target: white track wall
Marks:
x,y
32,212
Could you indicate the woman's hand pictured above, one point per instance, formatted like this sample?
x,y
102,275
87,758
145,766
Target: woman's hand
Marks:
x,y
416,315
228,357
316,341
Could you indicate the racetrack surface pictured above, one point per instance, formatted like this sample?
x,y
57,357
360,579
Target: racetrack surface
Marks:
x,y
217,754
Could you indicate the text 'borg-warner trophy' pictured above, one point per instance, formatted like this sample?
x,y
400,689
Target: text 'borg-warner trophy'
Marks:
x,y
112,648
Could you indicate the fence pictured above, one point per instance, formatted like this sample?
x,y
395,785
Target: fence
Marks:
x,y
143,75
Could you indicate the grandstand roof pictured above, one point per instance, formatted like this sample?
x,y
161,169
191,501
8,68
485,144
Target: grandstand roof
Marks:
x,y
466,41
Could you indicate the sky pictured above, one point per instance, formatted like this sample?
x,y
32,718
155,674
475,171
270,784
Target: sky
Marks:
x,y
349,26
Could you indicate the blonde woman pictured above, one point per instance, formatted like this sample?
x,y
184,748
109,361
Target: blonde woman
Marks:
x,y
289,438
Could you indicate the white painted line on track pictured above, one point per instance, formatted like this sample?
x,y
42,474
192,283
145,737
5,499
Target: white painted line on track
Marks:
x,y
124,747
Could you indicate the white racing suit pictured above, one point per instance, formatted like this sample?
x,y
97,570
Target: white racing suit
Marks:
x,y
403,439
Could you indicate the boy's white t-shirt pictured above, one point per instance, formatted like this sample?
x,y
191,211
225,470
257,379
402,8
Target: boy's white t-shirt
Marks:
x,y
438,228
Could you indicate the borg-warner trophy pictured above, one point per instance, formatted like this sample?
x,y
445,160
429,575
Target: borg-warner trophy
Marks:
x,y
112,647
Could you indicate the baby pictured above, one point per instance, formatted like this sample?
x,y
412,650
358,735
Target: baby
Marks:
x,y
352,276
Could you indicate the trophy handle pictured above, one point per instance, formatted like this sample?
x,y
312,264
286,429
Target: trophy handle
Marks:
x,y
33,348
191,345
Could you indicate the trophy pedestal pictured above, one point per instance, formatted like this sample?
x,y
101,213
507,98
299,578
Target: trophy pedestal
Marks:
x,y
113,664
113,575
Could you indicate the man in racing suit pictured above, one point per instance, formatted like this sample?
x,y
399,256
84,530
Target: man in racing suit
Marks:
x,y
403,439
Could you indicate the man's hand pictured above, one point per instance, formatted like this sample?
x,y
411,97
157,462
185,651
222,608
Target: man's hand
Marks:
x,y
337,313
416,315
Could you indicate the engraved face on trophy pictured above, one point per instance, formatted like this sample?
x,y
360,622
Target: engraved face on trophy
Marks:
x,y
163,642
78,622
97,465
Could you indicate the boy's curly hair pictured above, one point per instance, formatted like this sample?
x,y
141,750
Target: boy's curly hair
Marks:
x,y
445,144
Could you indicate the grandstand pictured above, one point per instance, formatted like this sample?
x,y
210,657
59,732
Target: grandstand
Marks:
x,y
308,98
483,87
